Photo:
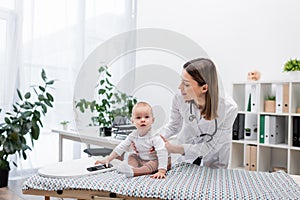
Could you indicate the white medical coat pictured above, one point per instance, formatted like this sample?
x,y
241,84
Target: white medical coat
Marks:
x,y
216,152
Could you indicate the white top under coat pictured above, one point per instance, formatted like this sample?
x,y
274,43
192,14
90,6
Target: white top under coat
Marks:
x,y
143,145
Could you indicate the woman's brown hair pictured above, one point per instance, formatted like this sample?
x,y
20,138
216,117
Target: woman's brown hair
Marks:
x,y
204,71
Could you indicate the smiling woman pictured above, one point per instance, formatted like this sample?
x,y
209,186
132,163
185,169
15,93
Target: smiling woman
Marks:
x,y
201,117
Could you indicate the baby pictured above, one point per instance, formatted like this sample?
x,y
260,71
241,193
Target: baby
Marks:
x,y
142,162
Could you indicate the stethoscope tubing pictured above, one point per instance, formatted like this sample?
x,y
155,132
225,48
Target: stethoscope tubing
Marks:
x,y
192,117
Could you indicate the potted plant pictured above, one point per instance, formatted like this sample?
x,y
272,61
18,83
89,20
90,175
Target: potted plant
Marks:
x,y
64,124
270,104
248,132
110,104
23,120
292,67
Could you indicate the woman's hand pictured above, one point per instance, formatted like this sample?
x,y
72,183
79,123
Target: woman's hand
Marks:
x,y
160,174
168,146
173,148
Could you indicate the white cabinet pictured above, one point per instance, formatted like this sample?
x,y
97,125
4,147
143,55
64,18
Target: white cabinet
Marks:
x,y
272,150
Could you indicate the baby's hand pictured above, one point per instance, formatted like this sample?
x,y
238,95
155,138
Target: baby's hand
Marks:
x,y
99,162
160,174
104,161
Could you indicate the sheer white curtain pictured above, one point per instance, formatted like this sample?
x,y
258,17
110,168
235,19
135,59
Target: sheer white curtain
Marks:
x,y
9,55
56,35
59,35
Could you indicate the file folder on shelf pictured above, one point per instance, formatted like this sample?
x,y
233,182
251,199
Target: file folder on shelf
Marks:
x,y
254,96
248,157
282,98
277,129
296,131
262,129
267,129
251,158
238,127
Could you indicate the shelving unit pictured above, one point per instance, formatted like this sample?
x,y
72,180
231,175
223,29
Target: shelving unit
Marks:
x,y
268,156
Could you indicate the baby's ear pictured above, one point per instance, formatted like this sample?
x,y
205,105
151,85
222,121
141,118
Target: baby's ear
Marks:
x,y
153,119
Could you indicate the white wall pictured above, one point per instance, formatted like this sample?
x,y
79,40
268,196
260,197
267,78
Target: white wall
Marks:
x,y
239,36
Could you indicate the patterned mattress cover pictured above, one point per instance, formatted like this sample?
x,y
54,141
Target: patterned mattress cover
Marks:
x,y
184,181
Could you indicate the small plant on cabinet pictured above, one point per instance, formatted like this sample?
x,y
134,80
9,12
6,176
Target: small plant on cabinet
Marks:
x,y
270,104
292,65
64,124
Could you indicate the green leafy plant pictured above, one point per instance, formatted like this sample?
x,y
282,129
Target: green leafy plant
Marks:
x,y
271,98
64,122
292,65
111,102
25,119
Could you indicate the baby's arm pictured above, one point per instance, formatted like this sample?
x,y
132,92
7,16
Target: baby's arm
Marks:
x,y
108,159
162,155
118,151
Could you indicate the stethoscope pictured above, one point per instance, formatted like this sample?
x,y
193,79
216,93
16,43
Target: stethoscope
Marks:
x,y
193,116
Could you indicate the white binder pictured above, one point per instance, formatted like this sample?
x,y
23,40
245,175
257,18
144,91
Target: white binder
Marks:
x,y
254,95
267,129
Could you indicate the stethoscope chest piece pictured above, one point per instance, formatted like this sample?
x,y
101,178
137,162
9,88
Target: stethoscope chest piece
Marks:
x,y
192,117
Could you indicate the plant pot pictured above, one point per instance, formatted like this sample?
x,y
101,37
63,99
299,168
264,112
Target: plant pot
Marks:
x,y
65,126
105,131
292,76
270,106
247,132
3,177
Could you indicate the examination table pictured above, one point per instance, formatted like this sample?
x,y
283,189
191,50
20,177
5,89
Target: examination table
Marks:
x,y
184,181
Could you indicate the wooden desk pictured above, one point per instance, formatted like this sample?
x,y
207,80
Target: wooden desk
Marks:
x,y
88,136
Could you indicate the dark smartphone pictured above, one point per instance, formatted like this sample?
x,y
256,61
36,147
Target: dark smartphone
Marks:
x,y
98,167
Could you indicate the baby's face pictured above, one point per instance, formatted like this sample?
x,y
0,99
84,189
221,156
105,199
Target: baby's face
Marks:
x,y
142,118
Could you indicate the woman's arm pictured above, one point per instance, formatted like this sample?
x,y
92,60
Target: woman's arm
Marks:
x,y
175,123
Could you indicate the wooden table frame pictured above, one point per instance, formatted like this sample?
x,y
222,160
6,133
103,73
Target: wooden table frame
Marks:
x,y
81,194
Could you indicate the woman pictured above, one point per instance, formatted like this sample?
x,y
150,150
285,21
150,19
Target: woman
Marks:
x,y
201,117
